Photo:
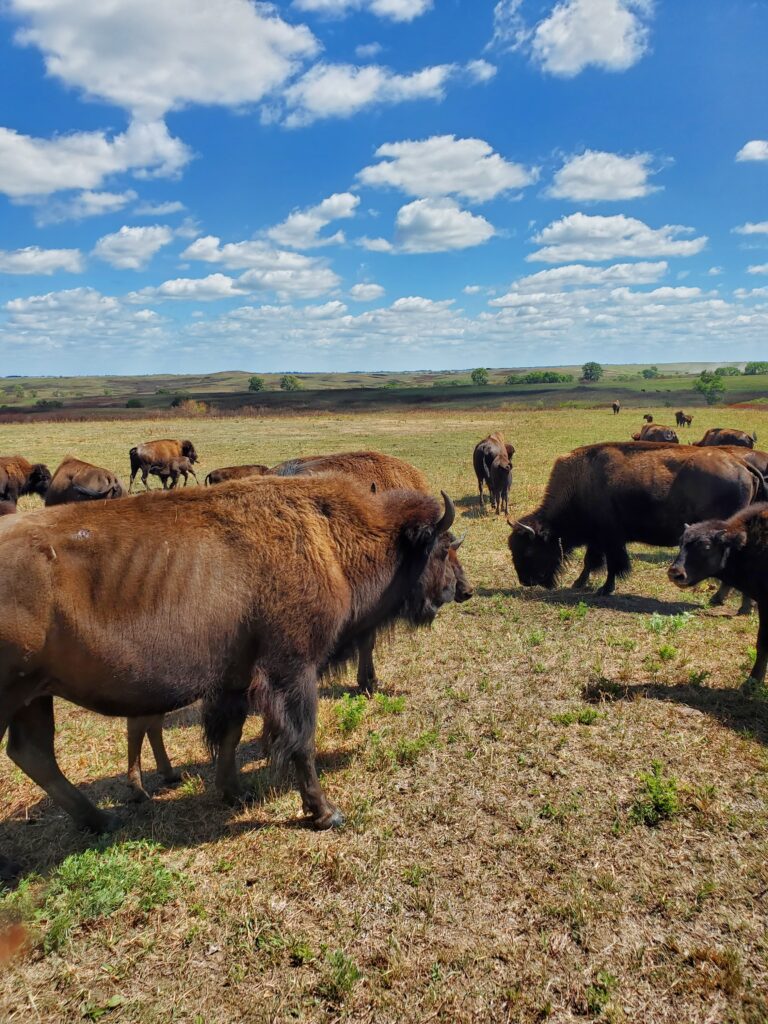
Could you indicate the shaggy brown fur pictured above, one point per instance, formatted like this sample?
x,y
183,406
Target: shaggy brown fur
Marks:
x,y
656,432
219,476
75,480
726,436
607,495
151,455
19,477
273,579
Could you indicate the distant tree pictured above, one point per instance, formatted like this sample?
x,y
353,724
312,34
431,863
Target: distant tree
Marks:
x,y
711,387
754,368
728,371
513,378
134,403
290,382
591,372
479,375
18,391
255,383
650,372
48,403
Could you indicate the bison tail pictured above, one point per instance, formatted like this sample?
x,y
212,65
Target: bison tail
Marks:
x,y
220,712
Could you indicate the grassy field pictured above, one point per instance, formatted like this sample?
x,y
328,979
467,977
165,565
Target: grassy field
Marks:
x,y
557,811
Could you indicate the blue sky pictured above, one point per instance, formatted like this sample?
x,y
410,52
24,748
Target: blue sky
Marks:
x,y
196,185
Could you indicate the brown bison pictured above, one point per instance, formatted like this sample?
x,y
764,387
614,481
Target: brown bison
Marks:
x,y
656,432
19,477
648,417
605,496
149,456
681,420
726,435
171,471
616,406
80,481
264,583
492,461
735,551
219,476
378,472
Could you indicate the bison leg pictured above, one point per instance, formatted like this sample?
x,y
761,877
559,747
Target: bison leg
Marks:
x,y
294,741
9,869
757,675
30,746
618,564
747,605
721,596
594,559
163,762
223,718
366,671
480,491
152,727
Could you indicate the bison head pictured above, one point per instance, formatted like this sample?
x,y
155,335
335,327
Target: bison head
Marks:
x,y
39,480
442,578
704,551
188,449
537,553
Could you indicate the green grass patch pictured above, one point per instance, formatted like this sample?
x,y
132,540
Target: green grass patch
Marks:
x,y
658,799
582,716
349,712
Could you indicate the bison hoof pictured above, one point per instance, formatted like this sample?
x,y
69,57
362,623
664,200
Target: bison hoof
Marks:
x,y
746,609
605,591
368,687
101,822
172,778
750,686
138,794
716,601
333,819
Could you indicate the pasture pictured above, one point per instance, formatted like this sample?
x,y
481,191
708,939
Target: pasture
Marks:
x,y
557,807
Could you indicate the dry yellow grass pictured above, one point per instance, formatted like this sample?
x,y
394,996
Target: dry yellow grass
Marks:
x,y
491,869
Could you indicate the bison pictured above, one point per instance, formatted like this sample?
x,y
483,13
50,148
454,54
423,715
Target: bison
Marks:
x,y
172,470
681,420
219,476
19,477
605,496
726,435
7,508
255,583
378,472
149,455
735,551
492,461
656,432
648,417
80,481
616,406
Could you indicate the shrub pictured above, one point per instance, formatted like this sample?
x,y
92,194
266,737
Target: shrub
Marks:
x,y
479,375
134,403
48,403
191,407
727,371
513,378
754,368
290,382
591,372
711,387
255,383
650,373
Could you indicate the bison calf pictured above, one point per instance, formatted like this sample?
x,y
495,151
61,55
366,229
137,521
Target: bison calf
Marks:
x,y
144,457
172,470
734,551
492,461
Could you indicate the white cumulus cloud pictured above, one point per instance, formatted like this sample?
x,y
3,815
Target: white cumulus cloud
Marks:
x,y
594,176
757,149
760,228
147,209
758,268
341,90
33,260
366,292
395,10
301,229
576,34
150,57
594,239
578,275
79,206
132,248
439,225
82,160
188,289
444,165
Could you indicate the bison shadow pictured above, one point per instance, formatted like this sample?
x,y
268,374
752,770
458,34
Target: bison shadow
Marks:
x,y
469,507
731,707
45,836
636,604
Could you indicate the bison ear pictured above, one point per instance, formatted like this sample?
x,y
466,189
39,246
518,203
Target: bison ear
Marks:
x,y
456,544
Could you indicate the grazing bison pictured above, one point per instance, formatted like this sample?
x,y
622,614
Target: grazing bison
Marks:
x,y
147,457
492,461
735,551
133,608
219,476
656,432
648,417
726,435
681,420
19,477
378,472
605,496
80,481
172,470
616,406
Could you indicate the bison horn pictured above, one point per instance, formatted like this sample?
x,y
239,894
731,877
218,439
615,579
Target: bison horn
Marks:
x,y
446,522
524,526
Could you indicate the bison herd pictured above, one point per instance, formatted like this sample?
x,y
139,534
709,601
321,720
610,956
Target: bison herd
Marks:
x,y
266,578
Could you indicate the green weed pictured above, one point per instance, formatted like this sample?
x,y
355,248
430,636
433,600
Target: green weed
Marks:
x,y
342,974
660,624
583,716
667,652
389,705
658,799
600,991
349,712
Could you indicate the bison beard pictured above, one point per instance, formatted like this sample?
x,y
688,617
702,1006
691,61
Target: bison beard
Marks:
x,y
607,495
271,580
